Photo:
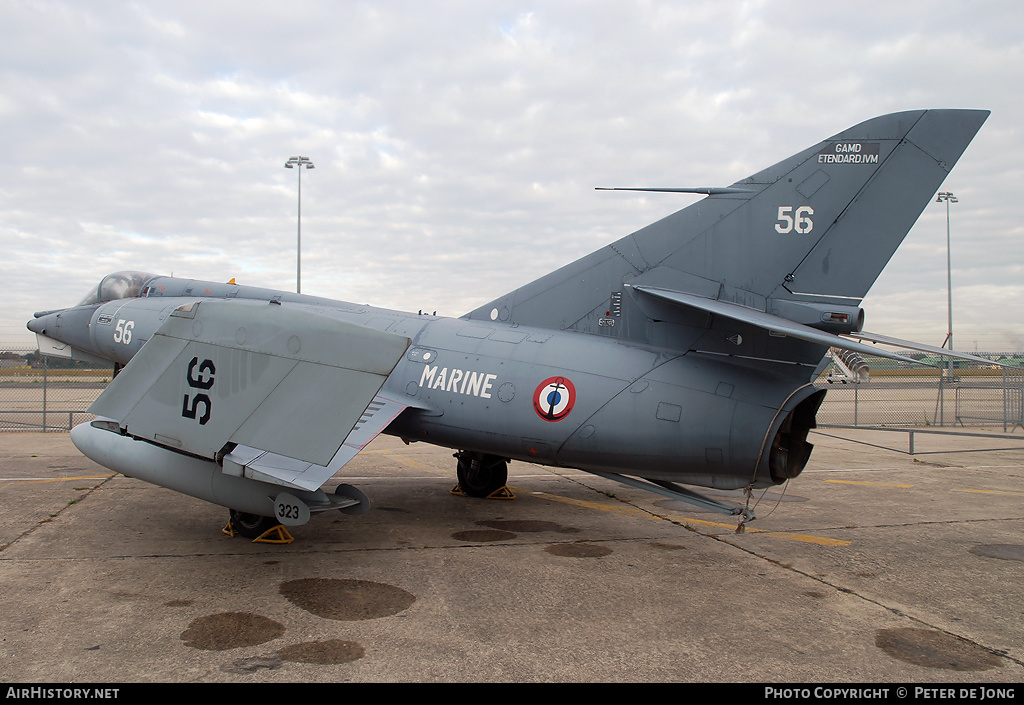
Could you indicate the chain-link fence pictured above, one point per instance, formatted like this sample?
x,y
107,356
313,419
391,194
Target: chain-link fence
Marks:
x,y
39,393
51,394
958,396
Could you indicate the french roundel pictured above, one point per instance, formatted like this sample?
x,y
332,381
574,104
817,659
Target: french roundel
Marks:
x,y
554,398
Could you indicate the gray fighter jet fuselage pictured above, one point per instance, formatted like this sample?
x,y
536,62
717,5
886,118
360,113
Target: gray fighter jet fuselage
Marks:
x,y
517,391
683,353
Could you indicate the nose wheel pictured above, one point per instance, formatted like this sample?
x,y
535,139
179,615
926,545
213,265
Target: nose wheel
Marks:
x,y
256,527
482,475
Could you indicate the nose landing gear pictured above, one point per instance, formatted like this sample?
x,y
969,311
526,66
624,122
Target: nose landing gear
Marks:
x,y
259,528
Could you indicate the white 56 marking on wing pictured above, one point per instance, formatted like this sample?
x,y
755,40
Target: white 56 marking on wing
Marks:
x,y
456,381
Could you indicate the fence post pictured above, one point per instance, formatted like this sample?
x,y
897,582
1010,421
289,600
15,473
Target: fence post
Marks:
x,y
942,398
1013,399
46,366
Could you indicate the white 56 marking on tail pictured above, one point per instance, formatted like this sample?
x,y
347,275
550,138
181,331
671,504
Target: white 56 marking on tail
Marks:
x,y
798,221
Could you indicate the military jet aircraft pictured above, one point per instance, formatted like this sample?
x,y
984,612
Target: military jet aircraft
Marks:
x,y
683,353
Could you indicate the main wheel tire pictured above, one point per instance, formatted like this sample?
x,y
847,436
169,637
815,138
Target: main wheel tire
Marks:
x,y
480,475
251,526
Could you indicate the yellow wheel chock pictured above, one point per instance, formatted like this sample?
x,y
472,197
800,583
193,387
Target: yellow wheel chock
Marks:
x,y
502,492
275,534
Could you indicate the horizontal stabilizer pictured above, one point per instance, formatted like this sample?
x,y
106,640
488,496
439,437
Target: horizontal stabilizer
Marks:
x,y
766,321
222,374
921,347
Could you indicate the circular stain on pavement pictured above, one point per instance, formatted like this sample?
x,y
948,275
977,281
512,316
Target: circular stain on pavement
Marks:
x,y
578,550
483,535
230,630
527,526
925,647
327,653
348,600
1003,551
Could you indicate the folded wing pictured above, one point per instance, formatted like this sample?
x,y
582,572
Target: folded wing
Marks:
x,y
278,393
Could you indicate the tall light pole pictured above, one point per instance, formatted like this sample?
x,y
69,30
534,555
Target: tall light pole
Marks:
x,y
948,197
301,162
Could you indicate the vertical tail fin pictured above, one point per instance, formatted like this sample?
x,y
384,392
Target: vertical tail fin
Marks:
x,y
818,226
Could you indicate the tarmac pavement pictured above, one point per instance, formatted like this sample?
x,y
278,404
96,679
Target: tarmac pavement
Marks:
x,y
873,566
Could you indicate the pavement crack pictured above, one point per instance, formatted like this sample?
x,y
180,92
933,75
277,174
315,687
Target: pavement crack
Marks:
x,y
860,596
725,540
32,529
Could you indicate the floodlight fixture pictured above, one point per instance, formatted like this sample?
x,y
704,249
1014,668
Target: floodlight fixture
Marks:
x,y
301,162
948,197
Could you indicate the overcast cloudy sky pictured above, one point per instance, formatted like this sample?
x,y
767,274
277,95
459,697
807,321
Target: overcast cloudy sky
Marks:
x,y
457,144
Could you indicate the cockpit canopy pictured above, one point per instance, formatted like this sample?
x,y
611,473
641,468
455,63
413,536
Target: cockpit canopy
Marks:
x,y
119,285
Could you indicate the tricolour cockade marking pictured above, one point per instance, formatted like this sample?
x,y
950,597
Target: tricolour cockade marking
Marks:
x,y
554,398
456,381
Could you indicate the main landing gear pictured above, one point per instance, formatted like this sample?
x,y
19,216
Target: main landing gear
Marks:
x,y
482,475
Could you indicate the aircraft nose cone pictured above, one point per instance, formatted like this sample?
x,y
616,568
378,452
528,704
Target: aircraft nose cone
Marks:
x,y
42,320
